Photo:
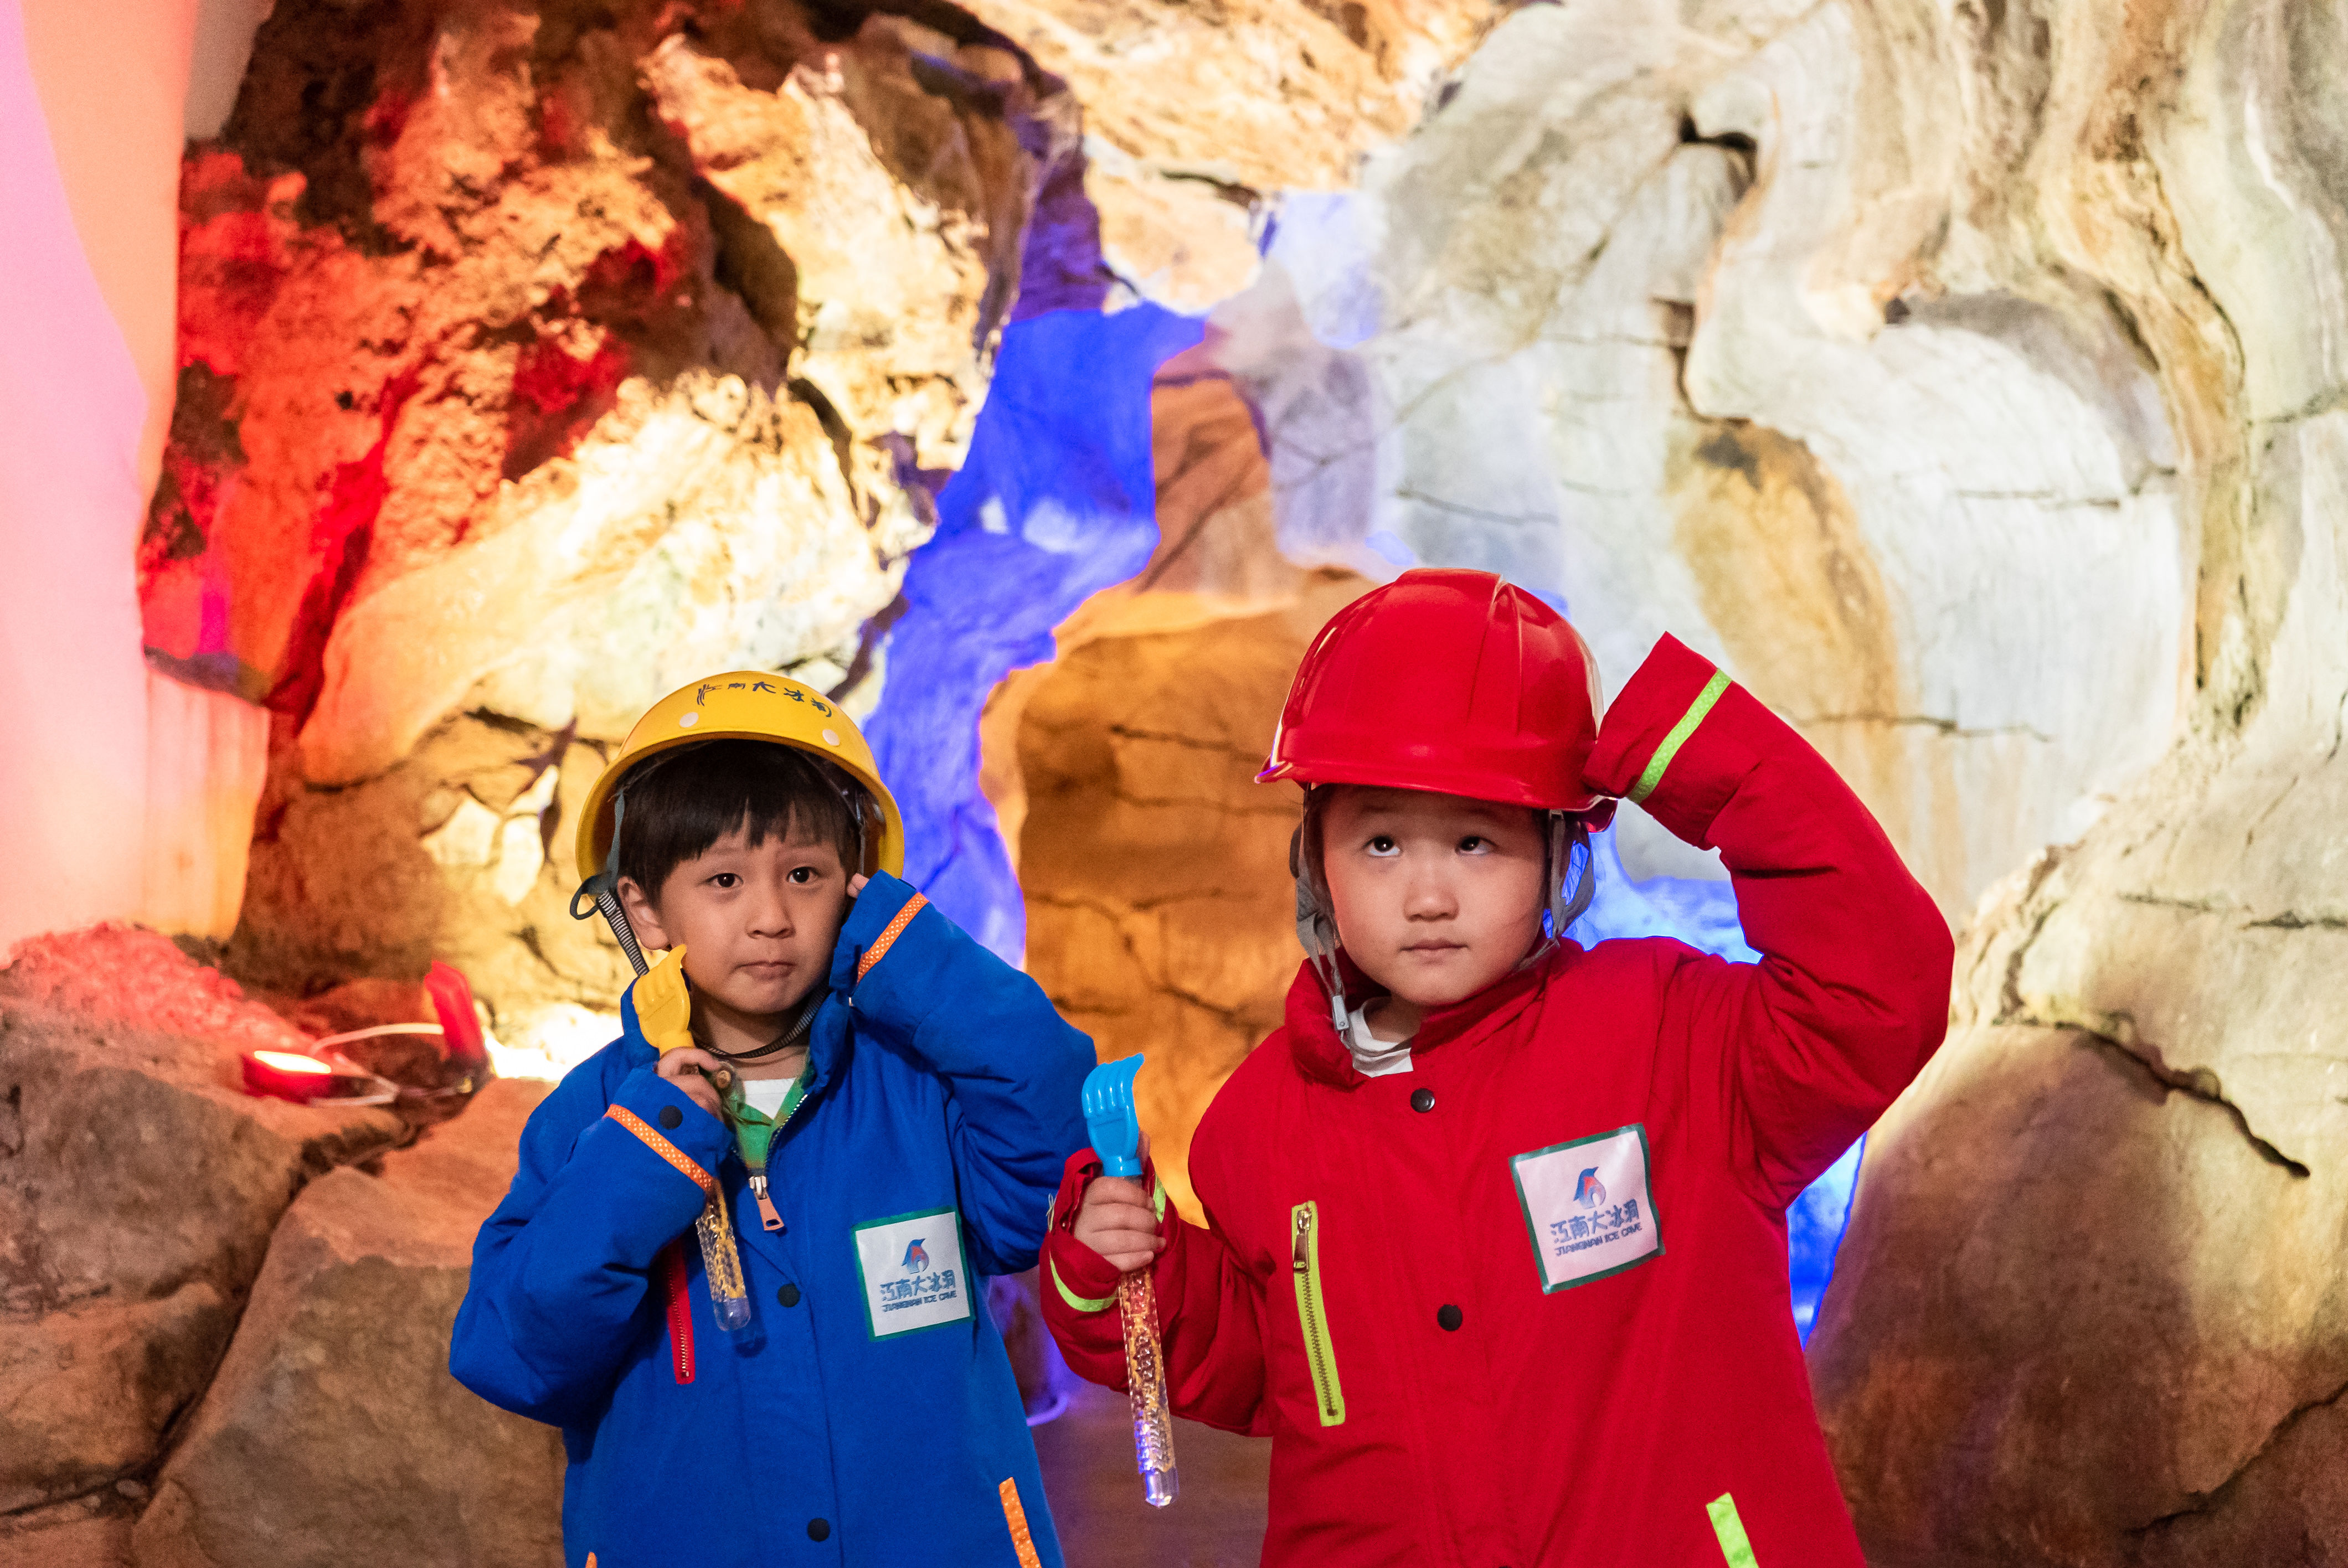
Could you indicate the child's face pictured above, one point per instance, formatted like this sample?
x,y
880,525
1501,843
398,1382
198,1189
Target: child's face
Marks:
x,y
1436,896
757,923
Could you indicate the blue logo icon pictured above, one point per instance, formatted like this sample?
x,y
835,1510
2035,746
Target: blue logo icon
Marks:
x,y
917,1258
1589,1191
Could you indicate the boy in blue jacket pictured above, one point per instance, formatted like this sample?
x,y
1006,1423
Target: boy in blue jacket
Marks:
x,y
883,1104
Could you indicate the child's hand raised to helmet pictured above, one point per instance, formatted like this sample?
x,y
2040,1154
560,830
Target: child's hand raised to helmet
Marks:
x,y
685,1068
1116,1221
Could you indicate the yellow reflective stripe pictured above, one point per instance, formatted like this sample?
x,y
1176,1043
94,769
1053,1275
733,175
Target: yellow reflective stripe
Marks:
x,y
1158,1200
1730,1530
1080,1303
1678,737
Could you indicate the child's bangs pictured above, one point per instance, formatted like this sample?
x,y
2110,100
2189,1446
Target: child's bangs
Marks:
x,y
684,805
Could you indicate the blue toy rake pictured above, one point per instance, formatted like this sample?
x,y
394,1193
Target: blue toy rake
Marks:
x,y
1117,1139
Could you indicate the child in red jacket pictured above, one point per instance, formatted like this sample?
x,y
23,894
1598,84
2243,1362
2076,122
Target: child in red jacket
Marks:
x,y
1496,1244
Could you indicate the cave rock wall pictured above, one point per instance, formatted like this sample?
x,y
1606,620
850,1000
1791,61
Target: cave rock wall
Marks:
x,y
535,359
1736,322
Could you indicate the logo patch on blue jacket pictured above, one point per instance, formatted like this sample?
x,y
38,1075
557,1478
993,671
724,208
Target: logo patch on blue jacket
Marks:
x,y
913,1269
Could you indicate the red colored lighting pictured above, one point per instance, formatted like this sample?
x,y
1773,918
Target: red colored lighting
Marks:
x,y
286,1075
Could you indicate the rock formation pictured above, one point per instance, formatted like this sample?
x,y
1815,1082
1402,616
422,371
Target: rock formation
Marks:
x,y
139,1188
333,1419
1201,116
2092,1310
534,359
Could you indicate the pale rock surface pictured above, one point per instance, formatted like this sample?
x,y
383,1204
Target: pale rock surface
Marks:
x,y
2192,1206
571,612
425,861
333,1420
207,757
138,1187
1557,336
1198,115
2091,1309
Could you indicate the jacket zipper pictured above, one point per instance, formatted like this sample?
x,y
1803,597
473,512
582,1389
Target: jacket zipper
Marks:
x,y
674,1282
1306,1219
768,1215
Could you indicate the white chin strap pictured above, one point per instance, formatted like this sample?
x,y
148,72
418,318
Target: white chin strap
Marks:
x,y
1568,833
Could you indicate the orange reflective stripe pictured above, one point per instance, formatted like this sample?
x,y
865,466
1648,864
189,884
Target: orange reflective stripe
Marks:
x,y
661,1146
1015,1516
873,954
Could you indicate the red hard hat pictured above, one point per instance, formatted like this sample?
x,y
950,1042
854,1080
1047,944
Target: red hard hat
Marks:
x,y
1453,682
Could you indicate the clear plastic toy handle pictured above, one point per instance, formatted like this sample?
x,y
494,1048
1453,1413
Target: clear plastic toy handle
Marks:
x,y
729,1295
1145,1367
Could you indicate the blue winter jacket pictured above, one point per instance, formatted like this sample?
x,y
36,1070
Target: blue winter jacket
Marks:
x,y
868,1415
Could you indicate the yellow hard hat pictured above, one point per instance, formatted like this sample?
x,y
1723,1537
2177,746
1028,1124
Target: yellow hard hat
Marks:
x,y
745,705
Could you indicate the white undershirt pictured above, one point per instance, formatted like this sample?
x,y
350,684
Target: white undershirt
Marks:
x,y
767,1095
1373,1057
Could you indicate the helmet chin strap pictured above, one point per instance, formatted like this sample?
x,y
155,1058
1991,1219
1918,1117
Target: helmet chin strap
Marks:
x,y
1567,835
602,889
1316,918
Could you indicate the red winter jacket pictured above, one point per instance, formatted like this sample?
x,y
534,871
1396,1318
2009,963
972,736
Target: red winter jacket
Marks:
x,y
1526,1303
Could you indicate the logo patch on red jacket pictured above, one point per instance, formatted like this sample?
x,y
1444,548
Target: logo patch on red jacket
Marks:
x,y
1588,1206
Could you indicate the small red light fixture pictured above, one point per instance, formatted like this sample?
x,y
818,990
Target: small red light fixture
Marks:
x,y
286,1075
306,1080
324,1072
460,1025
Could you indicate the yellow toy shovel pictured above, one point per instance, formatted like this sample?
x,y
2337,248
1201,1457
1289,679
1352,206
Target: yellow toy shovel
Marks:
x,y
664,1015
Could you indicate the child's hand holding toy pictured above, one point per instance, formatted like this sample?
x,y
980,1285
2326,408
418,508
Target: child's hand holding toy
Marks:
x,y
665,1012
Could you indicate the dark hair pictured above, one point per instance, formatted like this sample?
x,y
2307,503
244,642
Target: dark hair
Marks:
x,y
680,804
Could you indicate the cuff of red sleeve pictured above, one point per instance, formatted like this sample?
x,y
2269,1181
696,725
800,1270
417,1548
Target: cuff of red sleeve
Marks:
x,y
1082,1279
665,1121
1664,744
1074,1275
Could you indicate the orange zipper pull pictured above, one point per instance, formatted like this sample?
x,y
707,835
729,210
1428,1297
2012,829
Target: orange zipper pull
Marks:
x,y
768,1215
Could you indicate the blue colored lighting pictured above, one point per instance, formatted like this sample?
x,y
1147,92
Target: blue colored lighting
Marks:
x,y
1056,501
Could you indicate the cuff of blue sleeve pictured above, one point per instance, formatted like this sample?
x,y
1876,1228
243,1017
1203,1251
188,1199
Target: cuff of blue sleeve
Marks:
x,y
669,1111
868,916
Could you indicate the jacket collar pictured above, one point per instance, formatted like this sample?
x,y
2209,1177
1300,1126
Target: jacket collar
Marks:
x,y
1320,1054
